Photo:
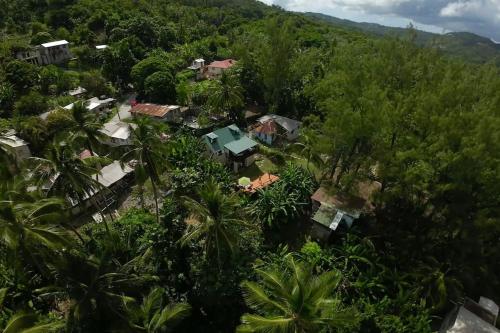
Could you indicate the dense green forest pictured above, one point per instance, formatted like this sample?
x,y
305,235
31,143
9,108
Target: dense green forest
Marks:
x,y
423,126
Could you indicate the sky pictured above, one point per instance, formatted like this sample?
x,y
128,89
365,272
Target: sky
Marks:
x,y
478,16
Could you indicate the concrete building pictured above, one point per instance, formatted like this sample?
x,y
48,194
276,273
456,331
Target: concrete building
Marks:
x,y
15,145
55,52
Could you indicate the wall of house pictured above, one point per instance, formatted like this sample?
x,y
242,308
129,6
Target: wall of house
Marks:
x,y
268,139
55,54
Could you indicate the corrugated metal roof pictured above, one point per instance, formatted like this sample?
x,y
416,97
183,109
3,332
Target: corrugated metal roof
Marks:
x,y
153,110
224,64
287,123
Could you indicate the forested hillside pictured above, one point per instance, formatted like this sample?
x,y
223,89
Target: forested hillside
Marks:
x,y
183,247
464,45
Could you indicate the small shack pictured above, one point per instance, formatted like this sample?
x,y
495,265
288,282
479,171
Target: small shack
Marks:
x,y
334,212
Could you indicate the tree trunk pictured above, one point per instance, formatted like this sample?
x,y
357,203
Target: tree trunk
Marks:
x,y
155,193
346,162
335,163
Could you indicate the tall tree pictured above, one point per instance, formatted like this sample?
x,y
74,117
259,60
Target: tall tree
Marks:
x,y
149,153
226,96
86,127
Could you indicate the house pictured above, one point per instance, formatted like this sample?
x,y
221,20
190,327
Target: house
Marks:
x,y
231,146
262,182
164,113
332,212
101,47
272,127
471,317
266,132
198,67
96,105
216,68
46,54
113,179
117,133
17,146
78,92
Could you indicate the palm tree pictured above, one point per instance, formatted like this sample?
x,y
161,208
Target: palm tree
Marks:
x,y
31,228
148,152
62,173
6,157
226,96
27,322
217,221
86,127
99,290
154,316
293,299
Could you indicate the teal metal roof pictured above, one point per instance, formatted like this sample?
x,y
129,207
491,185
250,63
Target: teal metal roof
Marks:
x,y
230,137
239,146
331,217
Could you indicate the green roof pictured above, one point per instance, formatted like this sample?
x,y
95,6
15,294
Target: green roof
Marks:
x,y
241,145
231,138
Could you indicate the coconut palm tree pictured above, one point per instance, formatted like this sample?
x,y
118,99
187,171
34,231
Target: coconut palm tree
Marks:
x,y
226,96
154,315
99,290
217,221
62,173
293,299
149,154
31,228
86,128
27,322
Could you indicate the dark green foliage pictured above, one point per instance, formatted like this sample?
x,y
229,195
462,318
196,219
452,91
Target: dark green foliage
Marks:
x,y
31,104
159,87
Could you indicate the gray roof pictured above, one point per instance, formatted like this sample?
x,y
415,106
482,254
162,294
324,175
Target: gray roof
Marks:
x,y
112,173
468,322
286,123
117,129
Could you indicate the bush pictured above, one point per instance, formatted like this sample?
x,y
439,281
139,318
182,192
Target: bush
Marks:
x,y
32,104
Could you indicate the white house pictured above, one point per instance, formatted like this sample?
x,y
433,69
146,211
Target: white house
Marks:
x,y
198,67
17,146
117,133
47,53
